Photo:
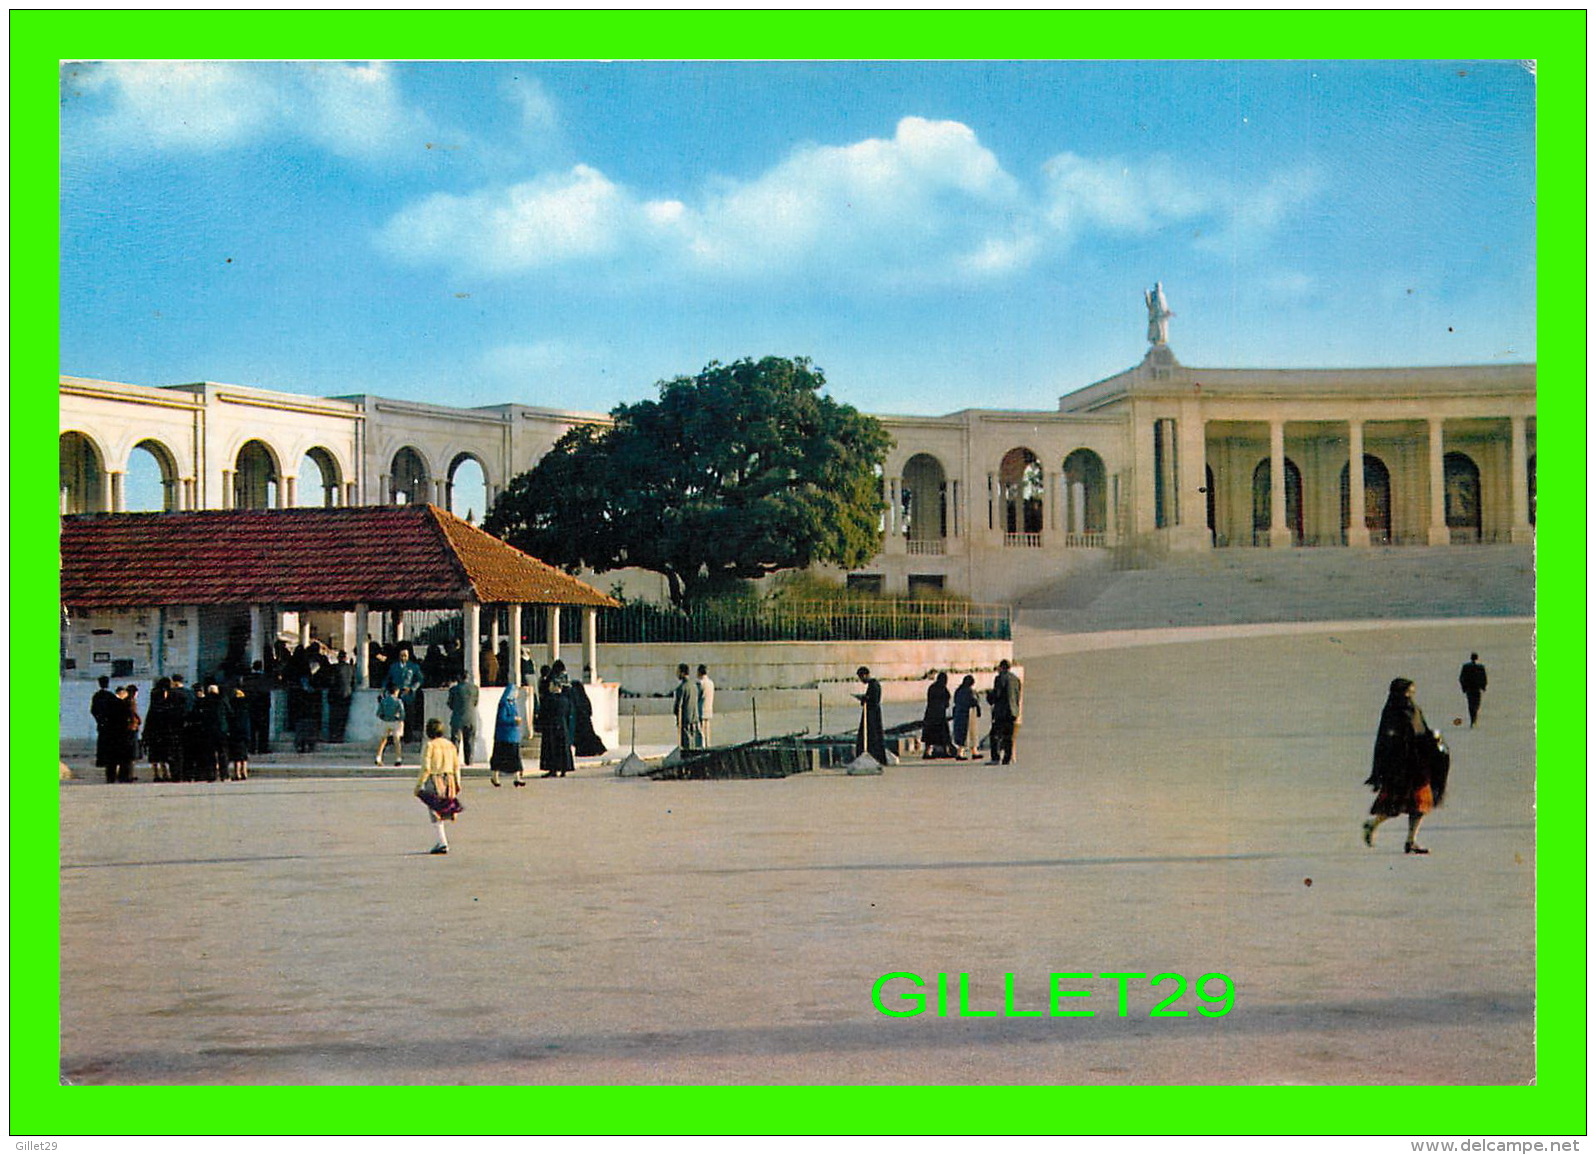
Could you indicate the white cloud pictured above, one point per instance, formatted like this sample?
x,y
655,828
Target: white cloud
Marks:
x,y
1119,195
352,110
928,205
539,115
561,217
177,104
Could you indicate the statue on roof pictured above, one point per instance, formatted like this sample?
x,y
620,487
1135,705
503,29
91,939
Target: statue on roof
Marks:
x,y
1158,315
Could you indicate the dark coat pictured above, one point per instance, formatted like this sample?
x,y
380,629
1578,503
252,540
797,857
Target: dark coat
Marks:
x,y
554,725
103,706
1407,758
934,732
588,743
870,739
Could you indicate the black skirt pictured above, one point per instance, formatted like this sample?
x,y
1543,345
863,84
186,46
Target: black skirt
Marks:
x,y
506,758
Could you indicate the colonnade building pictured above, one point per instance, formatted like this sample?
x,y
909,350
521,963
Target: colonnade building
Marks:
x,y
1162,458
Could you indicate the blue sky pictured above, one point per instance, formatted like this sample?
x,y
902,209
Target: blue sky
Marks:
x,y
935,236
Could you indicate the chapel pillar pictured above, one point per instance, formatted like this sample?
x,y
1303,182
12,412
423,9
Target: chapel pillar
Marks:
x,y
1438,532
590,670
512,675
472,628
362,644
554,634
115,490
229,494
287,492
1357,515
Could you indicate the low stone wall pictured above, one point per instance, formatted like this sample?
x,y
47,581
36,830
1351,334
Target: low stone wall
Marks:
x,y
649,670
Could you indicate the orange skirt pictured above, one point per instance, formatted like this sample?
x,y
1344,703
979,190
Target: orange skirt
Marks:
x,y
1416,802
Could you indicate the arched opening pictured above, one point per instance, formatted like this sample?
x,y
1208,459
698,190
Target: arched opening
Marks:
x,y
319,480
409,483
1023,489
1085,494
1462,496
1376,499
1262,491
151,484
925,504
256,482
468,488
82,475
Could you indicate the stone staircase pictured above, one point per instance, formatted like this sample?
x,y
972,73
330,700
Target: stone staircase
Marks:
x,y
1230,587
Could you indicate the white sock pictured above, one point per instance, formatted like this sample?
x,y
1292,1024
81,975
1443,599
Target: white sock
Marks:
x,y
443,839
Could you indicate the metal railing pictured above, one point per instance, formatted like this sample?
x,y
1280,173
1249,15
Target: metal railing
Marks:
x,y
885,620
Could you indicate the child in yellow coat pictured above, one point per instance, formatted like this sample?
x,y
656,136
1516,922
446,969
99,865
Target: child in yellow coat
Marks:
x,y
438,787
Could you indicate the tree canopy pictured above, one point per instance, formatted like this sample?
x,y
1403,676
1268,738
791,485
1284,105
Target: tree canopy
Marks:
x,y
737,472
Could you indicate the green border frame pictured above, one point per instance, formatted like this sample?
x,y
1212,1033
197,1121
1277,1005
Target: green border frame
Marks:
x,y
1554,1105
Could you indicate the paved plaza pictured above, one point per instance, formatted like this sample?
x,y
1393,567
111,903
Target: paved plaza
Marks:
x,y
1182,802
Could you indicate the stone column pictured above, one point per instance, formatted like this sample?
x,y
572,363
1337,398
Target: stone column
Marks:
x,y
954,526
1144,513
1279,531
554,634
186,492
1357,522
493,640
304,627
512,676
114,490
1518,467
229,494
288,493
1055,486
895,542
471,621
350,497
1191,480
1439,534
362,644
440,493
590,644
385,494
993,522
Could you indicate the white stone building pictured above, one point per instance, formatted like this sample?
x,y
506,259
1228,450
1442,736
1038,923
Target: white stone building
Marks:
x,y
991,504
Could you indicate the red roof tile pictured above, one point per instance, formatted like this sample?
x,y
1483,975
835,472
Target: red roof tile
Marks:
x,y
405,556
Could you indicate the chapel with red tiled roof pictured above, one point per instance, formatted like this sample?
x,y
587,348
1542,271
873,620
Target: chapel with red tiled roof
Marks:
x,y
210,570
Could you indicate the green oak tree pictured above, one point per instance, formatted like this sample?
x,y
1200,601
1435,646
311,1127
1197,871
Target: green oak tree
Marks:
x,y
737,472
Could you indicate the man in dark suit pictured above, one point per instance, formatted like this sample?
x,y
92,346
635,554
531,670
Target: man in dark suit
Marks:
x,y
340,690
1004,698
1471,678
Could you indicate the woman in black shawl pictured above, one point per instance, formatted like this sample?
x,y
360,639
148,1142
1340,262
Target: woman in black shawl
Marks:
x,y
1407,776
554,728
934,734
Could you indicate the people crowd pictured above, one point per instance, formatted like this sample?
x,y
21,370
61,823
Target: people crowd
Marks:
x,y
208,733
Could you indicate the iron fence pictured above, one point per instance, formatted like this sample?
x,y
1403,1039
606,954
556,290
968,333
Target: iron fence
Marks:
x,y
807,622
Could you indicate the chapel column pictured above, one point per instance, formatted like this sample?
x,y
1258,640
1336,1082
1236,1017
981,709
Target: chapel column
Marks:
x,y
362,644
1438,534
472,628
512,673
590,645
117,492
1357,516
229,493
287,492
554,634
